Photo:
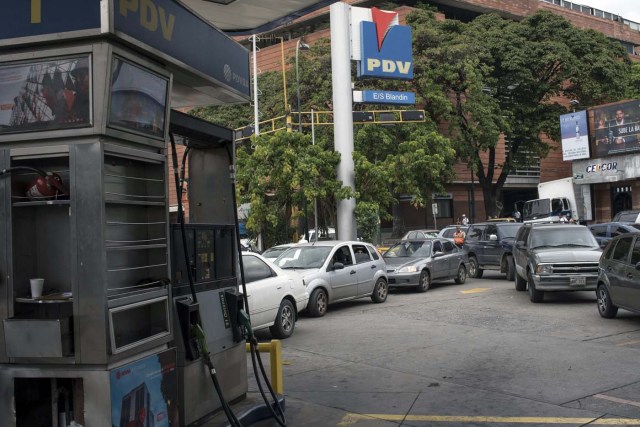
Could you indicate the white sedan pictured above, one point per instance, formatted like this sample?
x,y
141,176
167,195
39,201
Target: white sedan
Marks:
x,y
275,296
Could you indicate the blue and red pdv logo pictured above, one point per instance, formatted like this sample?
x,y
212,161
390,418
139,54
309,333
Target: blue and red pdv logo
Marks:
x,y
386,48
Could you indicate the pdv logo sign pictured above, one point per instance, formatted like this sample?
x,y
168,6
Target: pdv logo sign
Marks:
x,y
386,48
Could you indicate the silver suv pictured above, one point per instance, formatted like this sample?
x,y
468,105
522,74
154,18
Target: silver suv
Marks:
x,y
337,271
555,257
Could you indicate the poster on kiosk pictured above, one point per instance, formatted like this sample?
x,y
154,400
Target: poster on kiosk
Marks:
x,y
144,392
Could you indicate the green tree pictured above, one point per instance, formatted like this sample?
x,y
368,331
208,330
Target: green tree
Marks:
x,y
278,171
501,79
634,82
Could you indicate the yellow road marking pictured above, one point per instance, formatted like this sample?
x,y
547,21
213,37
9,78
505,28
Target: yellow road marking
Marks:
x,y
351,419
617,399
475,290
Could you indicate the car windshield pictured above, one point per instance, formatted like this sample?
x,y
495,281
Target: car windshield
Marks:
x,y
303,257
273,252
626,216
409,249
510,230
564,237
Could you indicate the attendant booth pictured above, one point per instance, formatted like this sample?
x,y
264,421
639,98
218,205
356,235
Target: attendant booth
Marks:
x,y
87,89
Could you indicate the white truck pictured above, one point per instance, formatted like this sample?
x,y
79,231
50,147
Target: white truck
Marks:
x,y
558,198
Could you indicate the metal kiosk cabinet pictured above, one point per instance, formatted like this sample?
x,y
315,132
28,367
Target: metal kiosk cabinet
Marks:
x,y
84,115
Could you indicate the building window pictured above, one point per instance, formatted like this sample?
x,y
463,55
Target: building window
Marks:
x,y
445,207
533,168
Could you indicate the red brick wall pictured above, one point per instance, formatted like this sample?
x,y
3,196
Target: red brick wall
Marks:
x,y
522,8
173,199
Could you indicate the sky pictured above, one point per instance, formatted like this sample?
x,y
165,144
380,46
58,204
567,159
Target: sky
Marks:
x,y
628,9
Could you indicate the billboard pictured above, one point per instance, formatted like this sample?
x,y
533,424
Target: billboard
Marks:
x,y
615,128
573,131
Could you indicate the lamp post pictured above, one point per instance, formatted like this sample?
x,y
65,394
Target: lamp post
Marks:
x,y
254,40
299,45
302,45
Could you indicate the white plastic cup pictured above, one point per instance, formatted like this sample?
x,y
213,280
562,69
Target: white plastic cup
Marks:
x,y
36,287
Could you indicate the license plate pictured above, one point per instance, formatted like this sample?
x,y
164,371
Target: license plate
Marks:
x,y
577,281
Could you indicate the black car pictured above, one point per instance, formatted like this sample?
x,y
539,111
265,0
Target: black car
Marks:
x,y
619,276
490,247
627,216
606,231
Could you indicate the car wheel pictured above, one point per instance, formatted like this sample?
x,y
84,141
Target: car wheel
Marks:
x,y
461,277
605,305
380,291
521,284
511,268
534,294
318,302
424,283
474,270
285,321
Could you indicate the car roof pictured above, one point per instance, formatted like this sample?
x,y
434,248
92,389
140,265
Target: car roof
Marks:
x,y
419,239
625,223
498,223
332,243
554,225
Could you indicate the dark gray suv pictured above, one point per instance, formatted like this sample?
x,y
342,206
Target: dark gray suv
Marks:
x,y
608,230
489,246
555,257
619,276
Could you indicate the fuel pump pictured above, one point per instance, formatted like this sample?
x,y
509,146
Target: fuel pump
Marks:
x,y
196,246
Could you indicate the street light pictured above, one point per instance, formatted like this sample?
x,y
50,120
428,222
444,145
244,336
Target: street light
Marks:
x,y
255,39
302,45
299,45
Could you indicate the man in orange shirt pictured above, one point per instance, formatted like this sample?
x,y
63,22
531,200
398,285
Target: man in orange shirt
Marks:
x,y
458,236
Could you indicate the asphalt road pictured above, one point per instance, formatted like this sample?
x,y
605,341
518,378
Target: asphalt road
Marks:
x,y
477,354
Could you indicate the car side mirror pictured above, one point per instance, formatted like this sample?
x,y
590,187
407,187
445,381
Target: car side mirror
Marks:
x,y
520,244
493,237
337,266
438,254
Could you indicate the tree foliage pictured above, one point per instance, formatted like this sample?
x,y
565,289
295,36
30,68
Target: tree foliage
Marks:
x,y
634,82
281,171
498,79
278,172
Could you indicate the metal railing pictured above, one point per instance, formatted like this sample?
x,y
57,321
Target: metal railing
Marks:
x,y
594,12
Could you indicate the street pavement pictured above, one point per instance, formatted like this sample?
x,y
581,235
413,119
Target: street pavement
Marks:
x,y
476,354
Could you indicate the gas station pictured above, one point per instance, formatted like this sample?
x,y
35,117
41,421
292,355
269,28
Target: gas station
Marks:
x,y
112,315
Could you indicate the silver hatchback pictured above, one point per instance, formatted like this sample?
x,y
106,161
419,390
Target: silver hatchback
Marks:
x,y
619,276
337,271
